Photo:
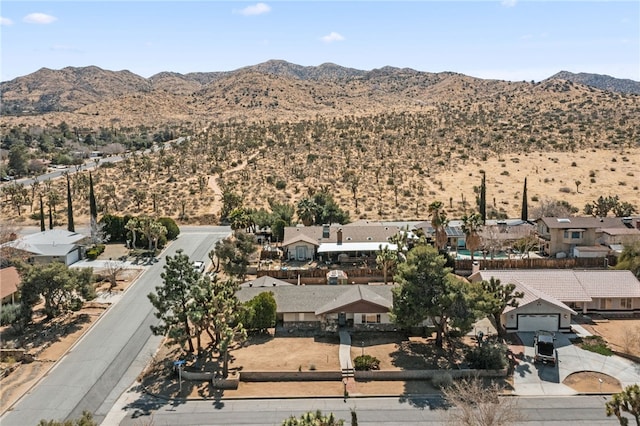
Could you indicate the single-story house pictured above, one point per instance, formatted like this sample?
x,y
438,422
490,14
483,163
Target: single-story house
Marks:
x,y
553,295
53,245
325,307
9,282
338,243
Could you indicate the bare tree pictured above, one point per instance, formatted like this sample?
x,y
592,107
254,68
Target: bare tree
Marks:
x,y
477,404
113,269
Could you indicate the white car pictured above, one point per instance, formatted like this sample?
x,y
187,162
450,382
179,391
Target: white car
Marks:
x,y
198,265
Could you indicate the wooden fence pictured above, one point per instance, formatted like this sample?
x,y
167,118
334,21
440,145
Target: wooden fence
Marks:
x,y
466,265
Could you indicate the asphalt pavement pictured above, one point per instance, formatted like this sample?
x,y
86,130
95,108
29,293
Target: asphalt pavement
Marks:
x,y
104,363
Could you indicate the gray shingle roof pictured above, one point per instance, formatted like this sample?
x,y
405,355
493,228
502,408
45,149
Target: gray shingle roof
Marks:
x,y
309,298
355,294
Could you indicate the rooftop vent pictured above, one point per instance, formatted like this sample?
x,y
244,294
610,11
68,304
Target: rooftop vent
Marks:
x,y
563,220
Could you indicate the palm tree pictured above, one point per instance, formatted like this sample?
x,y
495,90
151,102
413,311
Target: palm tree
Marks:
x,y
439,222
307,209
471,225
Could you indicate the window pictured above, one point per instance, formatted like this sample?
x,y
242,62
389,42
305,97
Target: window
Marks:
x,y
605,303
371,318
574,235
626,303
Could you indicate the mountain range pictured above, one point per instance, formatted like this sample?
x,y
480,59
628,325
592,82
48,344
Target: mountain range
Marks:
x,y
271,90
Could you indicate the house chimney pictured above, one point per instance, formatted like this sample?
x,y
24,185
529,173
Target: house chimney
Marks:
x,y
475,267
339,236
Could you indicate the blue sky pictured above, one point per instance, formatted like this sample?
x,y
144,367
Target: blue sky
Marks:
x,y
510,40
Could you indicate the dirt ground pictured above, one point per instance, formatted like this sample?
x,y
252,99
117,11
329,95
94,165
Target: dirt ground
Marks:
x,y
622,335
49,341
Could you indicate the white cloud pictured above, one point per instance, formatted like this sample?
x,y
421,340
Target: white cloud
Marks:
x,y
509,3
331,37
5,21
256,9
39,18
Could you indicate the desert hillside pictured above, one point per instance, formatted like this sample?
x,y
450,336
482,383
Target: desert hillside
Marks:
x,y
385,142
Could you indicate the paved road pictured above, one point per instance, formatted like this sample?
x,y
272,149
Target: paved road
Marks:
x,y
106,361
90,165
428,410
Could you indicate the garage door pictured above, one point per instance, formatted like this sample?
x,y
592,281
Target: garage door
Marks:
x,y
73,257
538,322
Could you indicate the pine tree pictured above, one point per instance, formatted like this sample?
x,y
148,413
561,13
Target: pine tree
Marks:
x,y
525,206
70,225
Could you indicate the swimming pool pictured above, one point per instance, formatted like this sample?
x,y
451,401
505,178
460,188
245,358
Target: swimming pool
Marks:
x,y
466,254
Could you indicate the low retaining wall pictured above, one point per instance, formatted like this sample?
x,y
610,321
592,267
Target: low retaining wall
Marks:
x,y
230,382
290,376
395,375
329,376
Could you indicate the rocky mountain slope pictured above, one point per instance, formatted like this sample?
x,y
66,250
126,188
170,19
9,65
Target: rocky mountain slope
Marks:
x,y
271,90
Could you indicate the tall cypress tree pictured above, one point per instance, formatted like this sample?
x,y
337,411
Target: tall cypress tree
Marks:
x,y
524,215
42,228
93,208
483,199
70,226
50,217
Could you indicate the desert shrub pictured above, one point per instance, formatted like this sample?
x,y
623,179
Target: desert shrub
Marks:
x,y
488,356
170,225
281,184
312,367
594,344
535,198
565,189
366,363
441,379
574,164
9,314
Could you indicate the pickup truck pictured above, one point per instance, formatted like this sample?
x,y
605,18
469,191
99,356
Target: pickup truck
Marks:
x,y
544,346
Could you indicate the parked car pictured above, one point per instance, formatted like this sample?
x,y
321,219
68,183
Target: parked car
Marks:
x,y
545,348
198,265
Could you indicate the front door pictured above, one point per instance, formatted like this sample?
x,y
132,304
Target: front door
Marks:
x,y
301,253
342,319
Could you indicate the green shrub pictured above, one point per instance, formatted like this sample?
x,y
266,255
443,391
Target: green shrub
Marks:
x,y
9,314
170,225
366,363
95,251
441,379
594,344
488,356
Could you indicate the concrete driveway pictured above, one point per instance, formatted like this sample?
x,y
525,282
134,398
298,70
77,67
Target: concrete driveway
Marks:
x,y
543,379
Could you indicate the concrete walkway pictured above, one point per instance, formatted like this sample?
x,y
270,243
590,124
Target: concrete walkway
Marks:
x,y
346,365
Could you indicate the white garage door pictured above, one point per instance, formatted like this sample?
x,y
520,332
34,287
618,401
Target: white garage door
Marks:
x,y
73,257
538,322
